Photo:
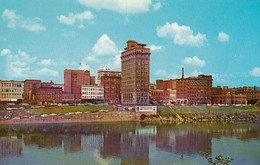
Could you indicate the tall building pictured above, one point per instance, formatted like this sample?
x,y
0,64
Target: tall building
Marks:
x,y
135,77
111,81
73,81
11,90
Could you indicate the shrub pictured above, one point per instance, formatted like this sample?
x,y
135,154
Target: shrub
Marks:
x,y
143,116
219,160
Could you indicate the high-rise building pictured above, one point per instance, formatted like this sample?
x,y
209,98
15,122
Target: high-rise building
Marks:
x,y
92,80
135,77
111,81
73,81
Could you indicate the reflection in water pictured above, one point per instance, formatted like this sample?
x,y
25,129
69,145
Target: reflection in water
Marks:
x,y
128,142
179,142
10,146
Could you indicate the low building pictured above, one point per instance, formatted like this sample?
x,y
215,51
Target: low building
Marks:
x,y
11,91
252,94
160,96
29,85
227,96
47,95
190,90
58,86
92,92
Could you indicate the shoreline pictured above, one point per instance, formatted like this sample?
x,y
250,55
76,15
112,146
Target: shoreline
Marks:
x,y
115,116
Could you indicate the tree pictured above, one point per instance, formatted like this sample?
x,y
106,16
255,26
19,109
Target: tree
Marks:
x,y
219,160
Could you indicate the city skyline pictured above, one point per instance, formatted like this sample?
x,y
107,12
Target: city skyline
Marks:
x,y
38,40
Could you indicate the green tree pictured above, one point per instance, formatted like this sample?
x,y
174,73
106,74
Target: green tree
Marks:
x,y
219,160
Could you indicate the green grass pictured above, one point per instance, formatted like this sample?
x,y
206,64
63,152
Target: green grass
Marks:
x,y
63,110
189,109
216,109
164,109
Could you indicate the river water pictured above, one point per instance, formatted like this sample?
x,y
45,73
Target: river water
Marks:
x,y
128,143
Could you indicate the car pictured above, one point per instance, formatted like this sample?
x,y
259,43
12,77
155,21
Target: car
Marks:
x,y
44,115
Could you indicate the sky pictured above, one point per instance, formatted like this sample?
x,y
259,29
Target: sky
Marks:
x,y
39,39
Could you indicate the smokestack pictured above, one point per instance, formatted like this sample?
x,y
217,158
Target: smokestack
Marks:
x,y
182,73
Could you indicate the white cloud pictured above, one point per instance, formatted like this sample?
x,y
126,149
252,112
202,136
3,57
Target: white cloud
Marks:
x,y
181,35
104,53
161,72
195,73
157,6
255,72
15,20
105,46
155,47
47,72
119,6
81,26
72,18
223,37
194,61
18,65
173,76
46,62
5,52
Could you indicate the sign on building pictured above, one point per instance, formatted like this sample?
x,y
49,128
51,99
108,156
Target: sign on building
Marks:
x,y
146,109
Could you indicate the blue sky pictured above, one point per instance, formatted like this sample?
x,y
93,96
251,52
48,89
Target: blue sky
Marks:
x,y
39,39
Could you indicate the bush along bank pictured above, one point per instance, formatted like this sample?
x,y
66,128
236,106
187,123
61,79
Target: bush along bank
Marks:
x,y
158,118
201,117
220,116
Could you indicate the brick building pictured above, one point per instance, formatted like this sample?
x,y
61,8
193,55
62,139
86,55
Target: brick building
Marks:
x,y
111,81
73,81
11,91
199,89
45,95
37,92
169,88
159,96
227,96
29,85
92,80
135,78
190,90
252,95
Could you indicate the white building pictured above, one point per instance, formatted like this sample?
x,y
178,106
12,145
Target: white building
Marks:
x,y
92,92
11,90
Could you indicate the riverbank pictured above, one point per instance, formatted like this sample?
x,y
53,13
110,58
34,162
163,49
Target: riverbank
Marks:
x,y
206,113
105,113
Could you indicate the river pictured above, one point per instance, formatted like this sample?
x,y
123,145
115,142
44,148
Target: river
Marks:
x,y
128,143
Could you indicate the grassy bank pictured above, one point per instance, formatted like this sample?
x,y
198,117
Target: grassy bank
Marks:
x,y
208,113
66,109
209,109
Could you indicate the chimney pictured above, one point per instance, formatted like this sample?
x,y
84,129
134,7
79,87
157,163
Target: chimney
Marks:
x,y
182,73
